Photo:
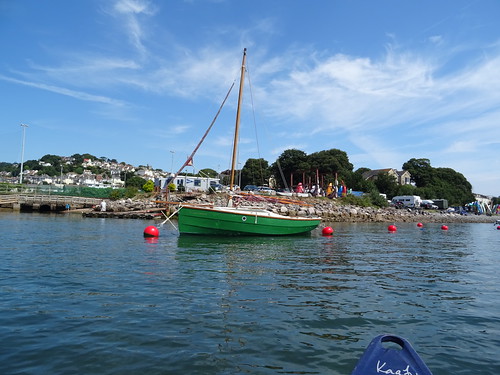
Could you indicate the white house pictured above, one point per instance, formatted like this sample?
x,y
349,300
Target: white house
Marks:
x,y
147,174
190,183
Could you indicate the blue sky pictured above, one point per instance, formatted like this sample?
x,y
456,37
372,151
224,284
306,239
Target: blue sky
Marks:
x,y
140,81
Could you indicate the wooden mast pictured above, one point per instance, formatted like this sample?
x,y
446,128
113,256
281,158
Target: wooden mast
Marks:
x,y
237,127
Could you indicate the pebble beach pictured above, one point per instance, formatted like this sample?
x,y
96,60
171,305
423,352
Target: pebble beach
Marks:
x,y
330,210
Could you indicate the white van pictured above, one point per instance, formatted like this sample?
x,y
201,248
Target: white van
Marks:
x,y
407,200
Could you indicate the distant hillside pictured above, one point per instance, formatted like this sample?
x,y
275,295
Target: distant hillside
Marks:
x,y
54,165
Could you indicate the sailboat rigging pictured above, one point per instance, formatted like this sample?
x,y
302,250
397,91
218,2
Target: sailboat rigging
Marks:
x,y
229,220
238,118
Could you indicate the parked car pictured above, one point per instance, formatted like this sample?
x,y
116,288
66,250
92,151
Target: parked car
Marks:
x,y
429,204
217,187
250,188
397,204
460,210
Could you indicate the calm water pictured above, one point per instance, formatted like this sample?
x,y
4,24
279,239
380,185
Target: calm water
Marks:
x,y
92,296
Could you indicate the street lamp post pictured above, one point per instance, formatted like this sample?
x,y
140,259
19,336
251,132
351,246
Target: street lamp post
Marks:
x,y
24,126
172,166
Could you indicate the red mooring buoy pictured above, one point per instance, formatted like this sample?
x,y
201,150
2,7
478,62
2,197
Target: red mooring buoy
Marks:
x,y
151,231
444,227
420,225
498,227
327,231
392,228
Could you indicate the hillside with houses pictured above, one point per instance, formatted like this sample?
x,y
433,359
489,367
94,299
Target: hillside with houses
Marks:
x,y
83,170
320,169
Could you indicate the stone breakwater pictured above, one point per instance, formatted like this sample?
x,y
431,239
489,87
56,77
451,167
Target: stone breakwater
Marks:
x,y
328,210
334,211
128,209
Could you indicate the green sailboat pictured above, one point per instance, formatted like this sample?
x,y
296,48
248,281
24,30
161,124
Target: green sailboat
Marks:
x,y
229,220
241,221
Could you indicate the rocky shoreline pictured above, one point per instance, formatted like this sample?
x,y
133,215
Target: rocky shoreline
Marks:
x,y
328,210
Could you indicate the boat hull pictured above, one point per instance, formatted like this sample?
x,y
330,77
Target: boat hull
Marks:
x,y
233,221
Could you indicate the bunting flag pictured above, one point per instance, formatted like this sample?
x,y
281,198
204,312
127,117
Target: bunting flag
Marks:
x,y
189,162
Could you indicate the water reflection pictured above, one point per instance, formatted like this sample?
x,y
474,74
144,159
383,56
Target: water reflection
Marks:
x,y
260,305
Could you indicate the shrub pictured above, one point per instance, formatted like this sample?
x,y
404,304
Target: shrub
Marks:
x,y
117,194
366,200
149,186
363,201
131,192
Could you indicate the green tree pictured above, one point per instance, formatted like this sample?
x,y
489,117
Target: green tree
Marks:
x,y
50,171
453,186
377,199
135,182
207,172
53,160
386,184
255,172
8,167
357,182
407,190
290,164
331,162
96,170
30,164
439,183
77,159
420,170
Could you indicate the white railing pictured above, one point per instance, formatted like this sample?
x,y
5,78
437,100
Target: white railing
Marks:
x,y
47,199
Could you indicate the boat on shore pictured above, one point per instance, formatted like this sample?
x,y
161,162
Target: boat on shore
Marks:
x,y
290,194
239,220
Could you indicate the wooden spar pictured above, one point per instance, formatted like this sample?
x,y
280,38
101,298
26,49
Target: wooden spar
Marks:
x,y
181,203
237,127
273,199
190,158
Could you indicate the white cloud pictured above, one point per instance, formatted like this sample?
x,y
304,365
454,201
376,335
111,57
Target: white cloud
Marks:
x,y
436,39
132,10
64,91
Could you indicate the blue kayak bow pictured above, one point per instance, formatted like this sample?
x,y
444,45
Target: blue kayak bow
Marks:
x,y
399,359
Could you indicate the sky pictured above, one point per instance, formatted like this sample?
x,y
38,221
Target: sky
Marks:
x,y
140,81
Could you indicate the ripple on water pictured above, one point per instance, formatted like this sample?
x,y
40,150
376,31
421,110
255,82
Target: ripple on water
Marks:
x,y
93,296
